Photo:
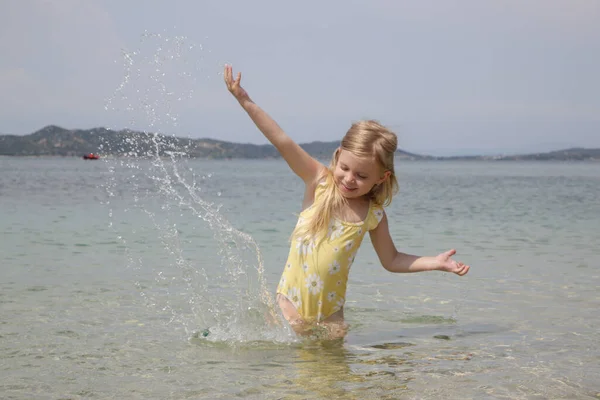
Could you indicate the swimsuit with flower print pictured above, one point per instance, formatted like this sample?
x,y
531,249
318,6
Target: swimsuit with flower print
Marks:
x,y
315,277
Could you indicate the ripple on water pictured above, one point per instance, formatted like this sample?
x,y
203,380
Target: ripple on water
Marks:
x,y
37,288
427,319
392,346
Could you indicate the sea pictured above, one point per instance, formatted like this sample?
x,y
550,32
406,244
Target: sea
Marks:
x,y
129,278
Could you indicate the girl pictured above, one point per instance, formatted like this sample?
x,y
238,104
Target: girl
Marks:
x,y
341,204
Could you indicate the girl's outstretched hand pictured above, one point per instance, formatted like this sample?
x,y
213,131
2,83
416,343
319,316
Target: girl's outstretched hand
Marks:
x,y
446,263
233,85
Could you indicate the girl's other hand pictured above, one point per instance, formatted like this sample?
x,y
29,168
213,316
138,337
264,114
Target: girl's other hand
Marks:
x,y
446,263
233,85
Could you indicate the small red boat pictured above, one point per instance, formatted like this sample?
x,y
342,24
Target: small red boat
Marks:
x,y
91,156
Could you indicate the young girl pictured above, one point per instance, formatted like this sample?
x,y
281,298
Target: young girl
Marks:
x,y
341,204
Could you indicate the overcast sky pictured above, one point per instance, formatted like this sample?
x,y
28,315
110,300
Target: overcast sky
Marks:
x,y
450,77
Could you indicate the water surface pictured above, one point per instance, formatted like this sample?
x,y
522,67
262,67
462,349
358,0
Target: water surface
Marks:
x,y
109,271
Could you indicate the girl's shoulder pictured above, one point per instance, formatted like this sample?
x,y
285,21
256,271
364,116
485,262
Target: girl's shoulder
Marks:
x,y
320,187
312,192
375,216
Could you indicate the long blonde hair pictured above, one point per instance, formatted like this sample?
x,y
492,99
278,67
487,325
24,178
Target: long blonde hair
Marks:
x,y
364,139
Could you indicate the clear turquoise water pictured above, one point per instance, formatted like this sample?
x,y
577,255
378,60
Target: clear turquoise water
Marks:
x,y
110,269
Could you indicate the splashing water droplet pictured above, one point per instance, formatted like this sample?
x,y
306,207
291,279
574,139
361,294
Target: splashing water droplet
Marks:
x,y
222,288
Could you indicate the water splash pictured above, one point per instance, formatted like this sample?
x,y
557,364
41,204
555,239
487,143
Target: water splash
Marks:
x,y
153,176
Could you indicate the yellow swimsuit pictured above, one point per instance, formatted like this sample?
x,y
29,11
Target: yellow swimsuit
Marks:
x,y
315,277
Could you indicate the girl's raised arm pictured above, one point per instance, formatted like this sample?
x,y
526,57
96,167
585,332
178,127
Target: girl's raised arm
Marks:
x,y
303,165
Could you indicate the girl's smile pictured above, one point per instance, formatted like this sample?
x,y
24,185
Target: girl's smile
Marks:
x,y
345,188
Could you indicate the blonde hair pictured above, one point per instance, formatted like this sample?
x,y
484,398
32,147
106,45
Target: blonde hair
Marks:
x,y
364,139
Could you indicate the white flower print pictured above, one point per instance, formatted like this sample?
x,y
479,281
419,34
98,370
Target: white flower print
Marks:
x,y
331,296
335,229
351,259
339,304
334,267
314,284
289,265
305,267
282,282
305,247
339,283
336,249
359,231
378,214
293,295
349,245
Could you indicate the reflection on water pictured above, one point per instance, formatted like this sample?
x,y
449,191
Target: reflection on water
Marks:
x,y
332,369
323,369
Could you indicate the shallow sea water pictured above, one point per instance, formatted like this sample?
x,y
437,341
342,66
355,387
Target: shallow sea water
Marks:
x,y
111,270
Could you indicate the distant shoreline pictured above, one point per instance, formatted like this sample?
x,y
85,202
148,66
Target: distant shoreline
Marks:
x,y
402,159
54,141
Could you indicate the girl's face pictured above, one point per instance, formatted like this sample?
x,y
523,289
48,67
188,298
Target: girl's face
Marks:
x,y
356,176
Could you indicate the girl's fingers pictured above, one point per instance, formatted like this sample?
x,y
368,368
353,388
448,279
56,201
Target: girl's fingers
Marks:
x,y
458,268
463,270
228,76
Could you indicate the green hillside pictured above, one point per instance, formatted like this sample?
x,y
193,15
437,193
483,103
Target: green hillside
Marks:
x,y
56,141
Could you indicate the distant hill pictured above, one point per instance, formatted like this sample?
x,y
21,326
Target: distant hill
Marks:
x,y
573,154
56,141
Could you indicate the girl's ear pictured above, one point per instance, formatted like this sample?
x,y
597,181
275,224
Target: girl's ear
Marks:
x,y
385,176
336,154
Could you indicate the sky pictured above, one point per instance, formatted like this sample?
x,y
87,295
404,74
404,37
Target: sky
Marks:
x,y
448,76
